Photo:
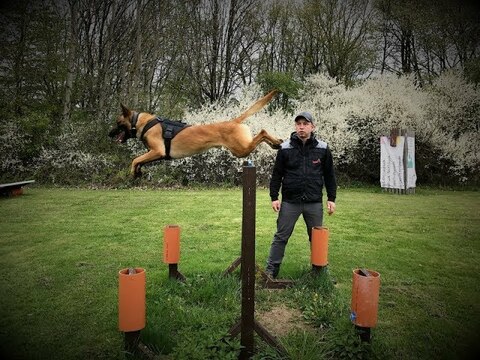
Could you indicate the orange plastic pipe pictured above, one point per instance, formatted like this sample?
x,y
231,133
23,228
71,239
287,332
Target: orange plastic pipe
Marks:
x,y
319,252
171,244
365,294
131,300
17,192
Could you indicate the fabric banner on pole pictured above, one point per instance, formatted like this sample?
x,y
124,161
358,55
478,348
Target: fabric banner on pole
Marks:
x,y
391,163
411,174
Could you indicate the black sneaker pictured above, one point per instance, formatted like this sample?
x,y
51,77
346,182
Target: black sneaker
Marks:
x,y
272,270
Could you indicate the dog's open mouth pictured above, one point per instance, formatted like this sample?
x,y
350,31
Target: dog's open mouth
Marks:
x,y
120,138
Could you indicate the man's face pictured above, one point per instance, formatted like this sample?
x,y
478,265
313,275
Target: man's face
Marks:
x,y
304,129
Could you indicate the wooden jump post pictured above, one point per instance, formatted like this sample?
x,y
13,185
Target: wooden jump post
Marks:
x,y
247,324
268,282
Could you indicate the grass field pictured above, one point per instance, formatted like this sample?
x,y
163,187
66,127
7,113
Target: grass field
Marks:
x,y
61,250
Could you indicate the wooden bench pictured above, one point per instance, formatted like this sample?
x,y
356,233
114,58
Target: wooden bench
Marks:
x,y
14,189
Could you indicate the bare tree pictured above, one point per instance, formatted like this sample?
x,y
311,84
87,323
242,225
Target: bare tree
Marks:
x,y
280,45
338,37
220,35
426,38
71,60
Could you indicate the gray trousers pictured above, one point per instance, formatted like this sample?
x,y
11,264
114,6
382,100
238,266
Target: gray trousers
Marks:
x,y
287,218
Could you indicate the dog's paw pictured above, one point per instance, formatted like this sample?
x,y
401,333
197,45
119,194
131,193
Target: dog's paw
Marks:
x,y
278,145
137,174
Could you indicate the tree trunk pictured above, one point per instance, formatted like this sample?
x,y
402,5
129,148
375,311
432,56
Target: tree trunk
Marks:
x,y
72,50
135,86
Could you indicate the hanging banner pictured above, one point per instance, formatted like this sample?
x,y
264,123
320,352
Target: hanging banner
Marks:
x,y
397,163
391,163
411,174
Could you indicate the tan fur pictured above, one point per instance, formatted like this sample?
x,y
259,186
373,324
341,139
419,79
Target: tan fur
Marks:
x,y
195,139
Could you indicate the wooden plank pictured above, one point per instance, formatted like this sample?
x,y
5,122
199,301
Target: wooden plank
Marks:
x,y
233,266
16,184
270,339
14,189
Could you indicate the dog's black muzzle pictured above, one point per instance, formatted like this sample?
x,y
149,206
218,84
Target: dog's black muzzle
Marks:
x,y
120,134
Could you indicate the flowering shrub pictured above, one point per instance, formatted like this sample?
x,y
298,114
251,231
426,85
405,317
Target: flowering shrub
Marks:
x,y
444,117
68,162
371,110
452,123
13,142
326,100
351,121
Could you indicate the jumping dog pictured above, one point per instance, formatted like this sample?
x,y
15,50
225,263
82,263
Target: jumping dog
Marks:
x,y
165,142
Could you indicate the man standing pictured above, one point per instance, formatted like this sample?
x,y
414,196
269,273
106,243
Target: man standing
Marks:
x,y
302,166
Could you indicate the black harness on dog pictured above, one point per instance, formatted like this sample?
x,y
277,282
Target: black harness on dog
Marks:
x,y
170,129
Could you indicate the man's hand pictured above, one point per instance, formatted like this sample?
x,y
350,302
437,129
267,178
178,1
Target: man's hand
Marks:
x,y
276,205
330,207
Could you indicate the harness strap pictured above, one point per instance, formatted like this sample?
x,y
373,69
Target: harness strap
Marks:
x,y
168,130
148,126
167,139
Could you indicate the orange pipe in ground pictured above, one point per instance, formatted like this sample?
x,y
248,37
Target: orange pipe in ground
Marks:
x,y
16,192
319,246
131,300
365,294
171,244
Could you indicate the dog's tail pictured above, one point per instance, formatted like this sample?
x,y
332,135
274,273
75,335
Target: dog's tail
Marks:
x,y
256,107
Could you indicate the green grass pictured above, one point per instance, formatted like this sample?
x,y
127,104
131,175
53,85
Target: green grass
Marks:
x,y
61,250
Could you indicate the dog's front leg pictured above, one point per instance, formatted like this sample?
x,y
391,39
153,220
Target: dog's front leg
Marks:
x,y
135,170
144,159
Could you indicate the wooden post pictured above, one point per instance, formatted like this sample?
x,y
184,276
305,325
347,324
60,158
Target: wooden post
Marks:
x,y
249,179
247,326
248,262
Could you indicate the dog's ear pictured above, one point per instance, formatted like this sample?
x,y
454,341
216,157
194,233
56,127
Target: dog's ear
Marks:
x,y
125,111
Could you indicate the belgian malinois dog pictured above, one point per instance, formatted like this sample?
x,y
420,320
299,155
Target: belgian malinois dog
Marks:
x,y
189,140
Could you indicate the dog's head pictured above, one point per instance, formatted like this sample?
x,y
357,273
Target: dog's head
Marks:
x,y
122,131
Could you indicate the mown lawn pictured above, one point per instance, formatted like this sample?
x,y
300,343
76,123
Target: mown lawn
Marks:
x,y
61,250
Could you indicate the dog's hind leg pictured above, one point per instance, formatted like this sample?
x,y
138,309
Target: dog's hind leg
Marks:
x,y
273,142
242,150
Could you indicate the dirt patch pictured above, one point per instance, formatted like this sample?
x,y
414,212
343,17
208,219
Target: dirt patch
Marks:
x,y
281,320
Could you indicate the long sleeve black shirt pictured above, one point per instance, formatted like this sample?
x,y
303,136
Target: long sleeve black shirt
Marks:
x,y
301,170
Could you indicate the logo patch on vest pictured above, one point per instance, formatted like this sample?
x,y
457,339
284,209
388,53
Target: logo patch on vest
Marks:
x,y
316,162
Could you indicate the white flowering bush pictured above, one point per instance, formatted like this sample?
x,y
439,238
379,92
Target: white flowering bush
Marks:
x,y
372,109
452,123
69,162
444,118
325,99
13,143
